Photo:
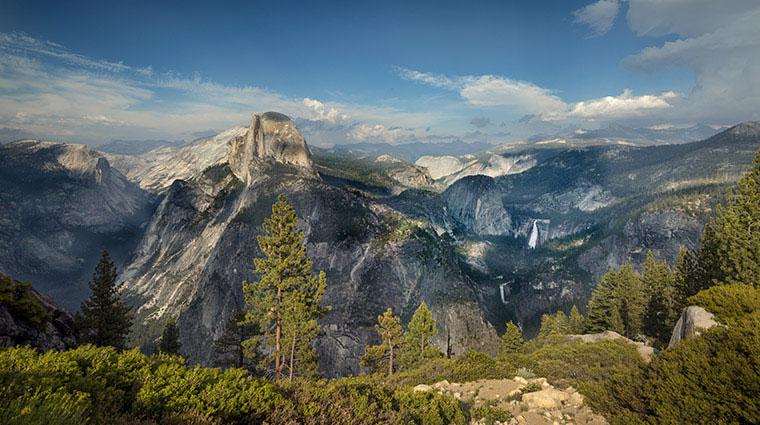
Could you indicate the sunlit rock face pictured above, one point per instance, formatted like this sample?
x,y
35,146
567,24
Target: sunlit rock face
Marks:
x,y
271,135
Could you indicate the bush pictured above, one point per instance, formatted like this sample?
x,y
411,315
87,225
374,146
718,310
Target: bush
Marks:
x,y
21,301
728,302
50,408
608,373
712,379
489,414
362,400
471,366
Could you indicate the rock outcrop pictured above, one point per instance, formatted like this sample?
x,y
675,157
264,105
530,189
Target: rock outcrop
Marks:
x,y
271,135
693,321
529,401
644,350
54,332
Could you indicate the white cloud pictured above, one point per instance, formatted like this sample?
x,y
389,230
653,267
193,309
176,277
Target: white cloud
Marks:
x,y
598,16
626,105
492,91
379,132
322,112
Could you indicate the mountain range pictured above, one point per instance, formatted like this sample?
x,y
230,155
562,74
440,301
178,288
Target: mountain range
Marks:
x,y
501,233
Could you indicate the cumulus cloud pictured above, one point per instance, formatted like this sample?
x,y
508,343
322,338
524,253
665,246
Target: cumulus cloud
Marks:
x,y
322,112
598,16
626,105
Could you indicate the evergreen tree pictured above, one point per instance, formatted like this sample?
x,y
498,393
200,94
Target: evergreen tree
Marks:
x,y
417,345
169,342
511,341
685,282
730,246
618,303
105,319
237,347
554,324
286,297
659,286
576,322
631,300
603,309
389,329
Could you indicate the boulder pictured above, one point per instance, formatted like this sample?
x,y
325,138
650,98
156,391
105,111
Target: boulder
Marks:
x,y
646,352
422,388
692,322
549,398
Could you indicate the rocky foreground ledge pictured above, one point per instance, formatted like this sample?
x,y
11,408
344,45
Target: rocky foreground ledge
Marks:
x,y
529,401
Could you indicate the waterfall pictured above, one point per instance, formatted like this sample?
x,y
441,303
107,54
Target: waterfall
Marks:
x,y
533,240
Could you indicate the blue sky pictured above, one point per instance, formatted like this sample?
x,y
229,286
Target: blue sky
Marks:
x,y
389,71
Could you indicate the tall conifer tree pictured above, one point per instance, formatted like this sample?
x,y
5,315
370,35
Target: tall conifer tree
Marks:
x,y
105,319
287,295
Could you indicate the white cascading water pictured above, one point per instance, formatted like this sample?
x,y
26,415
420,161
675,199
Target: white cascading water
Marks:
x,y
533,240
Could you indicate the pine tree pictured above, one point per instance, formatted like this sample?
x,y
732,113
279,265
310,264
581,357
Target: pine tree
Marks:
x,y
576,322
659,286
511,341
169,343
554,324
730,246
389,329
417,345
105,319
286,292
631,300
603,307
685,282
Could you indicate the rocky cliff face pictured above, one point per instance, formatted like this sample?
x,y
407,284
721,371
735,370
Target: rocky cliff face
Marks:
x,y
198,248
271,135
59,206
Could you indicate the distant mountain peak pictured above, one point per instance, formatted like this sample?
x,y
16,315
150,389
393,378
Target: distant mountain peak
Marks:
x,y
745,129
271,135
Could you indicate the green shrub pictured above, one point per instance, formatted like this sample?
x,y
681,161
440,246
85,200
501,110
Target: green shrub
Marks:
x,y
489,414
728,302
49,408
608,373
428,408
711,379
21,302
